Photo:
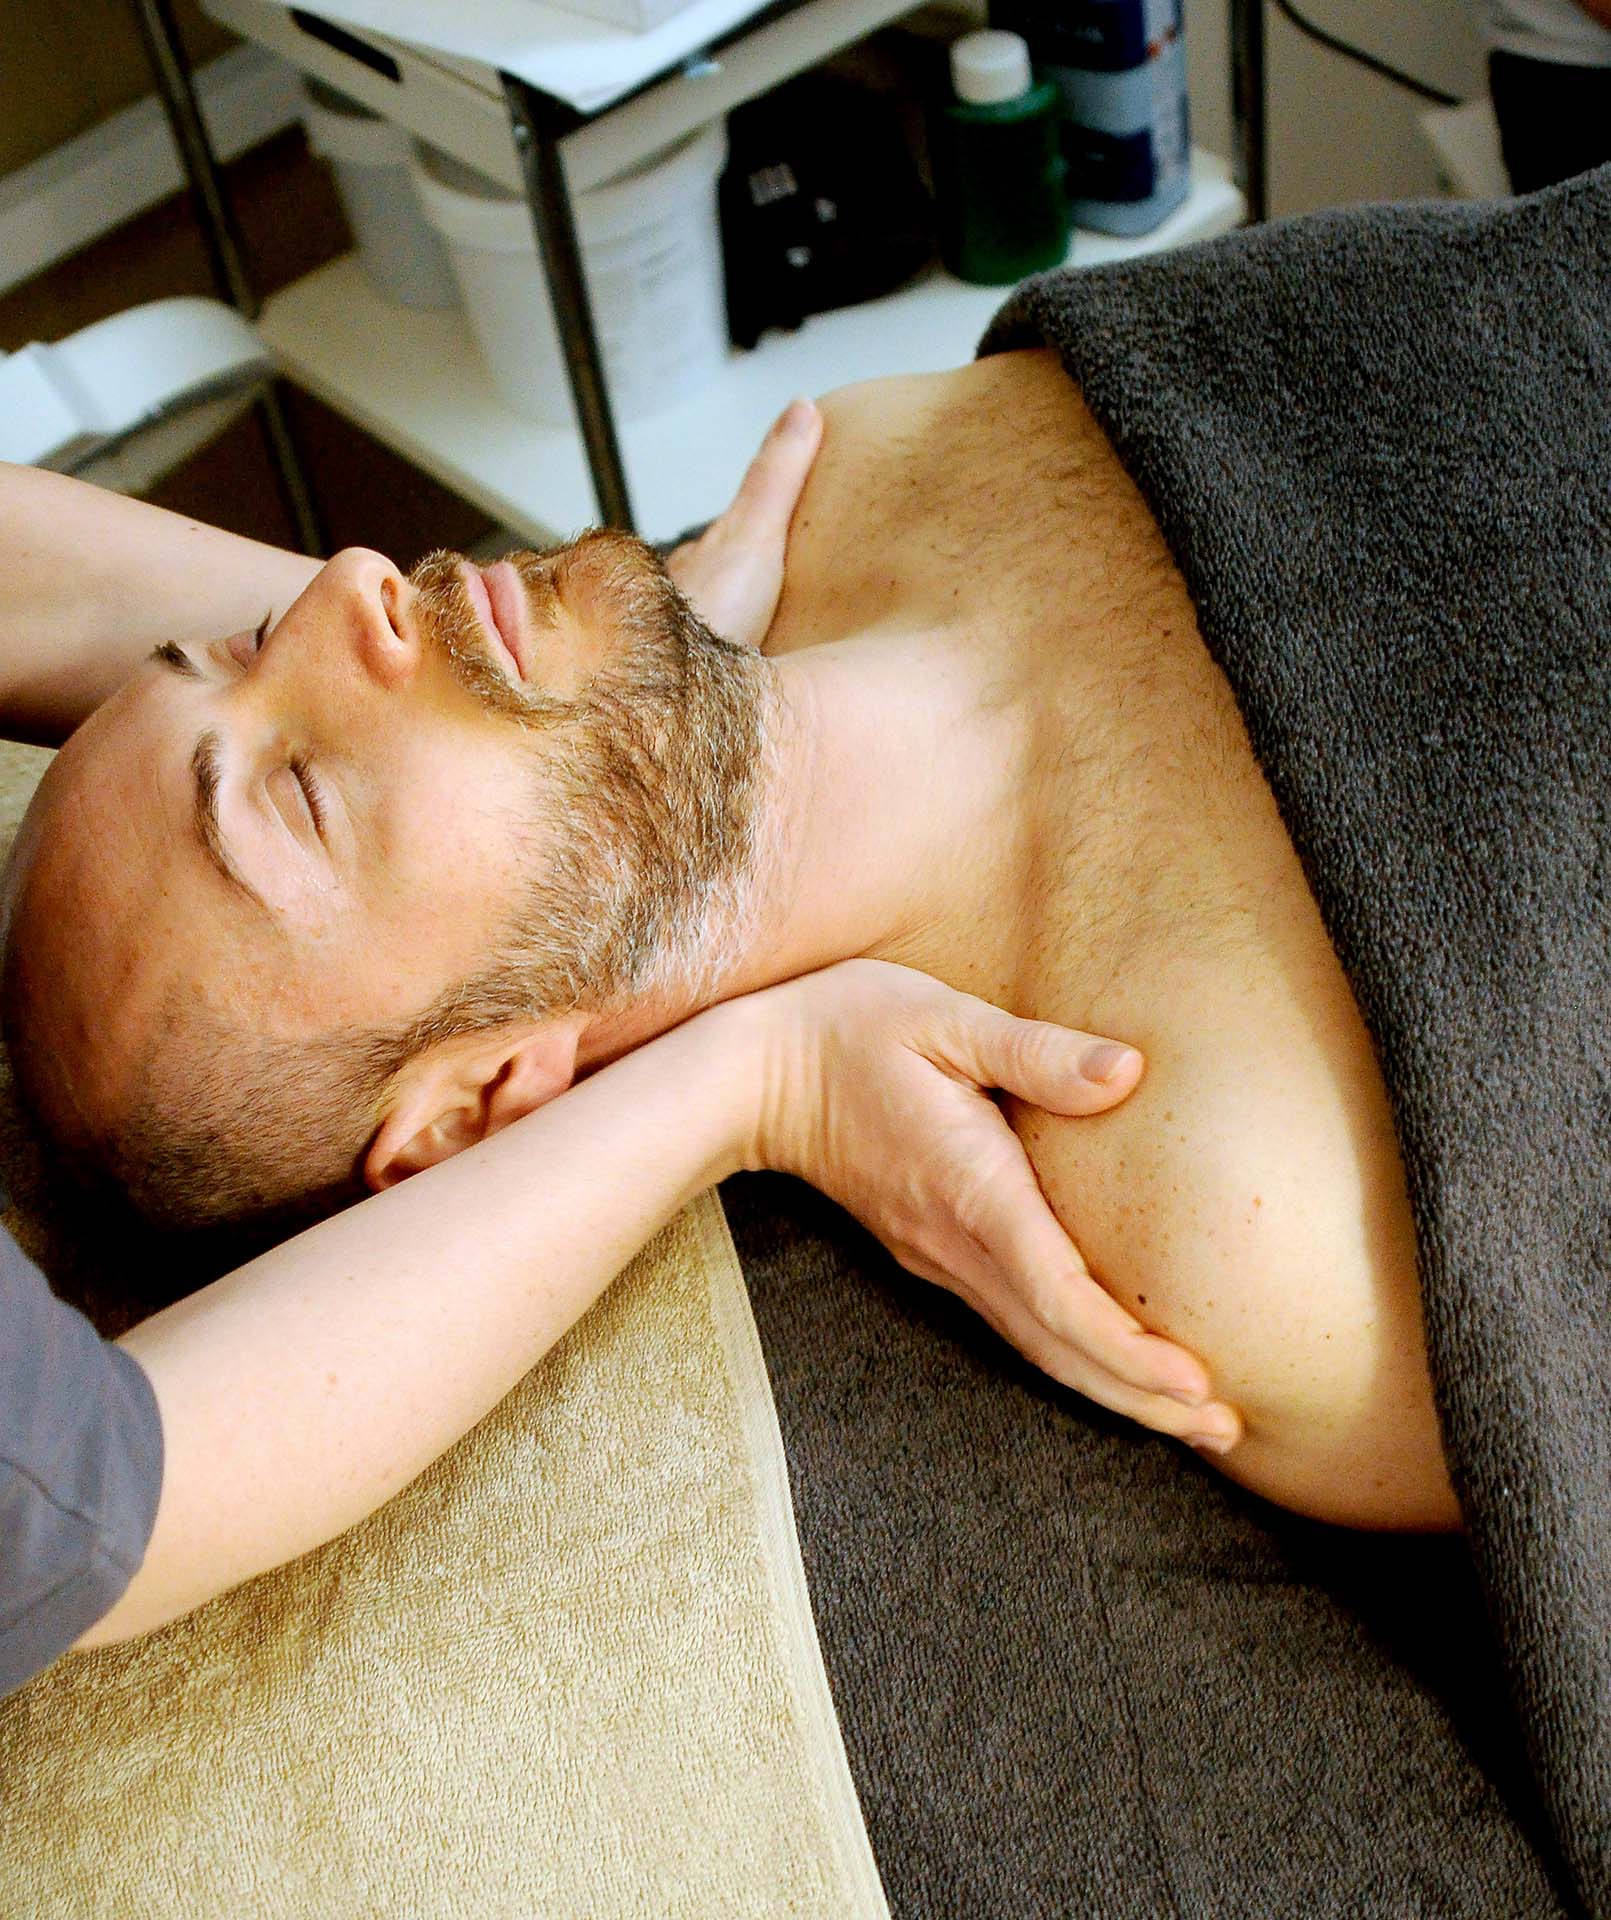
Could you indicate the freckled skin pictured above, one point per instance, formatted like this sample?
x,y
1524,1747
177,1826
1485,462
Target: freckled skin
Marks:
x,y
1248,1200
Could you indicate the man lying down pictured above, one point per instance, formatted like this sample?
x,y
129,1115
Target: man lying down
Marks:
x,y
425,849
404,863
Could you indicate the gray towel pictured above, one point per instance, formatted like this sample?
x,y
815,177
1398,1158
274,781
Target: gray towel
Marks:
x,y
1379,445
1078,1673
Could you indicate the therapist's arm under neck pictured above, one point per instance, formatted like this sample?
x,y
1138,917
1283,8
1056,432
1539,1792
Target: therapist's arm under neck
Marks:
x,y
302,1391
90,582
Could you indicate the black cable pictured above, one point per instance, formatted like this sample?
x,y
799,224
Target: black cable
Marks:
x,y
1330,41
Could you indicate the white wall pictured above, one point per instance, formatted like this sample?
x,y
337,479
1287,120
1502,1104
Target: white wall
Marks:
x,y
1336,132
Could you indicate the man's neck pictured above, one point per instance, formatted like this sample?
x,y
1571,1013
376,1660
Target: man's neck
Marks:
x,y
892,828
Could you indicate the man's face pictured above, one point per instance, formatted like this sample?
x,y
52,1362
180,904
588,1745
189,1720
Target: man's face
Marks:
x,y
327,825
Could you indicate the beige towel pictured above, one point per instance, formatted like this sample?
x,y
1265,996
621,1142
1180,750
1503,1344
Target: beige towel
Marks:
x,y
571,1671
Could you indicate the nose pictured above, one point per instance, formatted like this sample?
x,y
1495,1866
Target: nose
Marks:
x,y
370,598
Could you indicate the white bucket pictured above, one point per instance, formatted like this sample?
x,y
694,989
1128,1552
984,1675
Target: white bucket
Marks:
x,y
397,247
651,249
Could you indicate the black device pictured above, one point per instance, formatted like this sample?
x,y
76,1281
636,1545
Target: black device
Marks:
x,y
822,205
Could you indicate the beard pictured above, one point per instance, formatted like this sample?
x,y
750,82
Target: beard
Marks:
x,y
650,779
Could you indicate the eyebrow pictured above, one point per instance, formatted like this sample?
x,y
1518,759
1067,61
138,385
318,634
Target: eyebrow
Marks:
x,y
171,654
206,769
206,766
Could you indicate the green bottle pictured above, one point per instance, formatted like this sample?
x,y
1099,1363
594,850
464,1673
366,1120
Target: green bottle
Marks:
x,y
1000,204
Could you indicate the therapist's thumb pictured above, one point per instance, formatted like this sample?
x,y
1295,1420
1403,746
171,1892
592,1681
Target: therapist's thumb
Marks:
x,y
770,490
1059,1068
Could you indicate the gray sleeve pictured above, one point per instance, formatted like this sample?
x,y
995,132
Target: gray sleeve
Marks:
x,y
80,1470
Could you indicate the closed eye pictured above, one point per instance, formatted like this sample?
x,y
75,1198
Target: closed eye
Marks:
x,y
306,779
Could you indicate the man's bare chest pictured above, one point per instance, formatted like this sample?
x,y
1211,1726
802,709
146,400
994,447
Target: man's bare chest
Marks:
x,y
1248,1200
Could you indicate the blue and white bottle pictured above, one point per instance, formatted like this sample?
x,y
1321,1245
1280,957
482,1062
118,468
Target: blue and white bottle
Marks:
x,y
1120,67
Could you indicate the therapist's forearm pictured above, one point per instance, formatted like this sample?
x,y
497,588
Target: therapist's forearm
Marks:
x,y
302,1391
90,582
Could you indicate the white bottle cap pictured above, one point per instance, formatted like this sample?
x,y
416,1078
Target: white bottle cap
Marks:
x,y
987,68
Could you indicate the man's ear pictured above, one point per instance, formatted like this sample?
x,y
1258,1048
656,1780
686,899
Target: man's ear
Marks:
x,y
466,1090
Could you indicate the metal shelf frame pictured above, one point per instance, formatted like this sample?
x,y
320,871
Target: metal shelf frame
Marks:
x,y
548,150
225,254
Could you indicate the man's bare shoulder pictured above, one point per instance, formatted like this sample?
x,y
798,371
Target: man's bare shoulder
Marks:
x,y
931,488
1024,371
1009,395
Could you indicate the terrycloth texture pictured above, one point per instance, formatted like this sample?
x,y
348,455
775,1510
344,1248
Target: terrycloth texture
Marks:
x,y
569,1671
1378,443
549,1678
1079,1673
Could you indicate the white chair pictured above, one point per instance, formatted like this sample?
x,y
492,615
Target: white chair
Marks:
x,y
124,401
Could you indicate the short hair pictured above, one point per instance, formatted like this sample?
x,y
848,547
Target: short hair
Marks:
x,y
259,1130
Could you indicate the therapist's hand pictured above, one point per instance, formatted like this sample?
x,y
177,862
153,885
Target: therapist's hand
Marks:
x,y
876,1088
733,573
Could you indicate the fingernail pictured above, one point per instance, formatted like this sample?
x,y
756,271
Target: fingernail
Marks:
x,y
1101,1062
1210,1442
798,417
